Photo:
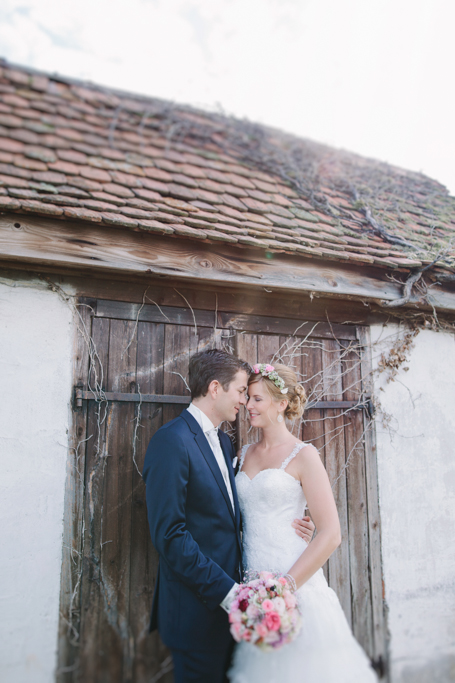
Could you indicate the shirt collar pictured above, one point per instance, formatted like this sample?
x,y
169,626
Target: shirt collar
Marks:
x,y
204,422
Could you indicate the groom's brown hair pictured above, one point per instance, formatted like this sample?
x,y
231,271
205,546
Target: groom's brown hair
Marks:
x,y
211,364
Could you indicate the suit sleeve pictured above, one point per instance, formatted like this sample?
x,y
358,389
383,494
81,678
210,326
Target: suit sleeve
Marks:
x,y
166,472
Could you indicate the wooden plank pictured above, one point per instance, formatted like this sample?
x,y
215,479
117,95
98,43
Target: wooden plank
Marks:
x,y
94,492
241,299
81,395
149,652
115,641
179,315
311,373
312,423
246,347
374,522
176,353
291,355
70,590
132,398
362,618
268,346
75,245
127,287
339,574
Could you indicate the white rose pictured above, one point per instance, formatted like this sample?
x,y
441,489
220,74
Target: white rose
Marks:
x,y
279,605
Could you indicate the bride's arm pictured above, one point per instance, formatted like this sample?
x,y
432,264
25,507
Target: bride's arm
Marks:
x,y
319,496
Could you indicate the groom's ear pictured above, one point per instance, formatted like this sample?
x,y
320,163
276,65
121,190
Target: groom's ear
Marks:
x,y
214,388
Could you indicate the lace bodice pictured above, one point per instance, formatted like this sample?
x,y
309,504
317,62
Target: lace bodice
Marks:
x,y
269,503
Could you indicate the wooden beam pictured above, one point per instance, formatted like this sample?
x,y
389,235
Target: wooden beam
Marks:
x,y
74,246
235,321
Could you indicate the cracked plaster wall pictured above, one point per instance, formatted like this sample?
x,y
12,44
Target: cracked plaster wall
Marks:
x,y
35,369
416,467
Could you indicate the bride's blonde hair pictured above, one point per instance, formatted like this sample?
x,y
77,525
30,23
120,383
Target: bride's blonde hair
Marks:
x,y
296,395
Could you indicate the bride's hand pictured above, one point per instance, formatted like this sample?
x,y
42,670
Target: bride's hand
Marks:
x,y
304,528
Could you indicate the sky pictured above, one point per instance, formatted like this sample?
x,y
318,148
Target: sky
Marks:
x,y
371,76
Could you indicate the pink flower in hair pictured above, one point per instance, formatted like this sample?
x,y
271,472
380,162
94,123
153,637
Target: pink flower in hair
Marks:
x,y
256,369
269,368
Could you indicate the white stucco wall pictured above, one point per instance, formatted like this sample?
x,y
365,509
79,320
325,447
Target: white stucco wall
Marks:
x,y
35,371
416,466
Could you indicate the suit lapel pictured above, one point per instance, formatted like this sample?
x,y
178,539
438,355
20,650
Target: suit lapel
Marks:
x,y
204,447
228,460
226,447
208,454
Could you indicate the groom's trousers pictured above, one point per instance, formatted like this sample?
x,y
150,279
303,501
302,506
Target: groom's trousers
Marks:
x,y
193,666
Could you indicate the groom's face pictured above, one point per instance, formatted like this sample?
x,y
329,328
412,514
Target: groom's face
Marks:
x,y
228,402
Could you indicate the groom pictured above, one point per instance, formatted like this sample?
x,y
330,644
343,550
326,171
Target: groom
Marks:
x,y
194,520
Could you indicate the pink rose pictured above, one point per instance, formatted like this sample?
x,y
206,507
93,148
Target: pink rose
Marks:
x,y
235,616
279,605
267,606
266,575
261,630
269,368
252,611
244,593
272,638
282,580
272,621
236,630
256,369
290,601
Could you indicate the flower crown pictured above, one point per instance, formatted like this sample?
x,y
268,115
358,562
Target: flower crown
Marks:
x,y
269,371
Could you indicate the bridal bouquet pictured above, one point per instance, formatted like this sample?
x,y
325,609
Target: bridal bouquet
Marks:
x,y
265,611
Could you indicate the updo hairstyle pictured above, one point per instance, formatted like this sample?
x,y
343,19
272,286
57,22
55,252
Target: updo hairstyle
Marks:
x,y
296,395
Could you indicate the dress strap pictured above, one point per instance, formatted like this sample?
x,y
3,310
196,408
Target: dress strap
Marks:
x,y
242,455
298,447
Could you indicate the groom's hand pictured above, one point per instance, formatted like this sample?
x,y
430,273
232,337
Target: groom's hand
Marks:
x,y
304,528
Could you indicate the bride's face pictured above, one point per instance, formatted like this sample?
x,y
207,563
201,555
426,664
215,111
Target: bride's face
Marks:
x,y
261,408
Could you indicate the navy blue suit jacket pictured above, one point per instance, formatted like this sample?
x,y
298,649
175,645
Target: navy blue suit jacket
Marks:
x,y
196,533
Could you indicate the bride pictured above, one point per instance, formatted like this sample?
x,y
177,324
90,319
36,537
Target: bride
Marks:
x,y
278,477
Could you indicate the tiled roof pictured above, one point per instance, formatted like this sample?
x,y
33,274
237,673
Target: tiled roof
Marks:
x,y
74,151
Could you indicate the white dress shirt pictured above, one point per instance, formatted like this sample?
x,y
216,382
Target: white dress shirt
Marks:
x,y
211,434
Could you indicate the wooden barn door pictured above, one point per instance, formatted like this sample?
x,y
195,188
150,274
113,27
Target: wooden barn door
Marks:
x,y
130,379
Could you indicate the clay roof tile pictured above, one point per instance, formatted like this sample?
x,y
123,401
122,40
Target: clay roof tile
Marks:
x,y
60,156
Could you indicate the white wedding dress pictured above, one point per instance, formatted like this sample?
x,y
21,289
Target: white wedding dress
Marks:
x,y
324,651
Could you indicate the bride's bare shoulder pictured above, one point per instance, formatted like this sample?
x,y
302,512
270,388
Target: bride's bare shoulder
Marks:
x,y
308,453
